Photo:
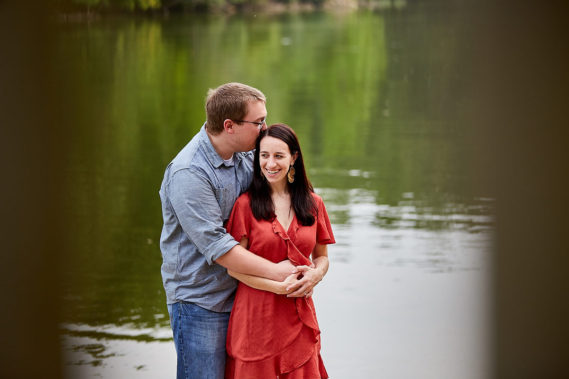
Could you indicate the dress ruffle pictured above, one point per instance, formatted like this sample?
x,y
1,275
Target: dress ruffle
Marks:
x,y
304,306
294,361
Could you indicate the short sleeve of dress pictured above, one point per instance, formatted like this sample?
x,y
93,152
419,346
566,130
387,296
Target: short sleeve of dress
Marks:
x,y
324,233
239,224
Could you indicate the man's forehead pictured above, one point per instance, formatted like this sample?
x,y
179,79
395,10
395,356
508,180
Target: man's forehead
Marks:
x,y
255,104
256,112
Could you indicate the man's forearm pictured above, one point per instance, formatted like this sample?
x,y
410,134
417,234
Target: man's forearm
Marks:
x,y
241,260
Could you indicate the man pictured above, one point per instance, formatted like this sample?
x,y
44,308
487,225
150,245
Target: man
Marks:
x,y
199,189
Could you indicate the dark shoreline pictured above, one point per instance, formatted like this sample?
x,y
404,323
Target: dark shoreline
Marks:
x,y
269,8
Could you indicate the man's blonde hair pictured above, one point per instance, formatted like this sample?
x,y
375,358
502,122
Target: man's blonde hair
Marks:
x,y
229,101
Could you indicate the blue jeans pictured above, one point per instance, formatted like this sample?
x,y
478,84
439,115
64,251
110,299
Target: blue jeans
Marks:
x,y
199,336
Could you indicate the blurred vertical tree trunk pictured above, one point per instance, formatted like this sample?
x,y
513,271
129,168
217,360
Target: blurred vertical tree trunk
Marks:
x,y
520,96
31,146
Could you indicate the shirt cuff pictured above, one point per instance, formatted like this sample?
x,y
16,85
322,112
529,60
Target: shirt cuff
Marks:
x,y
219,248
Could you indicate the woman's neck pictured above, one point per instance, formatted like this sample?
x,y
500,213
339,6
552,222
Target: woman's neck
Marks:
x,y
279,189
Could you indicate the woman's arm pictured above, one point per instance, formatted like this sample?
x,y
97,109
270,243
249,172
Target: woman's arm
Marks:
x,y
320,259
264,284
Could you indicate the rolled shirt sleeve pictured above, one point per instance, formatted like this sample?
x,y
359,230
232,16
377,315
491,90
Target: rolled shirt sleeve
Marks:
x,y
193,199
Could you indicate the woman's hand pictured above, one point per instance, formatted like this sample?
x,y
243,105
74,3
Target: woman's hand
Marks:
x,y
306,278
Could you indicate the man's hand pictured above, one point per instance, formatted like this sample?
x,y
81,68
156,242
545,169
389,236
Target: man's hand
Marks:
x,y
283,270
290,280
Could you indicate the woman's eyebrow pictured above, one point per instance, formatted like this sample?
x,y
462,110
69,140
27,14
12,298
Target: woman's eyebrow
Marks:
x,y
276,152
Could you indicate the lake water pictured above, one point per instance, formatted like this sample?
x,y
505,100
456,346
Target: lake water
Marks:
x,y
377,100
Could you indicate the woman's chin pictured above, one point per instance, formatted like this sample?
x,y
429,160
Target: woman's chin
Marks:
x,y
275,180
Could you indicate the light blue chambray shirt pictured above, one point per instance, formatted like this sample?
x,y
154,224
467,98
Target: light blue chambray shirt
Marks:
x,y
197,194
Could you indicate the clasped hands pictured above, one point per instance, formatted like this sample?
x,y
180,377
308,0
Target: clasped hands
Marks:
x,y
301,282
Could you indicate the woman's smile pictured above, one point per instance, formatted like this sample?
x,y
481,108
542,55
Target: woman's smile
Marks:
x,y
272,172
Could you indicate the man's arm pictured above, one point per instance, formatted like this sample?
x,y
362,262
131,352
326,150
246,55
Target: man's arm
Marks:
x,y
261,280
199,214
242,261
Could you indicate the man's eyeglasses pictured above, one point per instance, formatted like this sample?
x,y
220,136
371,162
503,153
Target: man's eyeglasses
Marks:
x,y
259,123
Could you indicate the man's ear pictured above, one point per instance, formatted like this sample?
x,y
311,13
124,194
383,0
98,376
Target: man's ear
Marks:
x,y
229,125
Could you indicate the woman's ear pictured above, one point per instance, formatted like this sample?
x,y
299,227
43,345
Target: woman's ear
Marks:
x,y
294,157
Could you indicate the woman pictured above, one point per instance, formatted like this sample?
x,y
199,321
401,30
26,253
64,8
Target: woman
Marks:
x,y
271,335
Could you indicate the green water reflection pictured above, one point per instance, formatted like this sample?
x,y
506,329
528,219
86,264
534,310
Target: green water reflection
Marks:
x,y
375,98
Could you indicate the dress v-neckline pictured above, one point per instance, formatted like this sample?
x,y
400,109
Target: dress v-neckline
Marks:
x,y
286,230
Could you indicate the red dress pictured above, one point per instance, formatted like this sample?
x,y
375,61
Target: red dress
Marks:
x,y
271,335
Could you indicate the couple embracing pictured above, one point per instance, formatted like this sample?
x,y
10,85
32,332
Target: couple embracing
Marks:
x,y
243,245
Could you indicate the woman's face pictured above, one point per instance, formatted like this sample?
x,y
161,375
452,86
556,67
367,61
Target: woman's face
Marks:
x,y
275,159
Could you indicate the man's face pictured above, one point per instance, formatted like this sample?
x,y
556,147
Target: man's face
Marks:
x,y
247,132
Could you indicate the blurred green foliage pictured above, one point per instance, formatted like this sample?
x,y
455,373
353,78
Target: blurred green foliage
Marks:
x,y
129,5
166,5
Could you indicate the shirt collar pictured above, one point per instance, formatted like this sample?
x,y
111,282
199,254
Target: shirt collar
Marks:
x,y
210,153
